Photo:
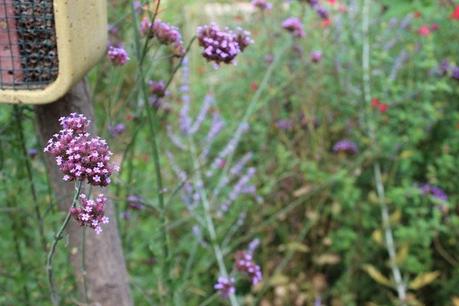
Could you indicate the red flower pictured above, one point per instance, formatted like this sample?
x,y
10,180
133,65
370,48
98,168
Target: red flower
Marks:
x,y
455,14
417,14
331,1
326,22
254,86
375,102
383,107
434,27
424,30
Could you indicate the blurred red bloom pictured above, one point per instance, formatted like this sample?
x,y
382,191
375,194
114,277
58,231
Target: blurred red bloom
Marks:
x,y
375,102
424,30
417,14
326,22
455,13
331,1
383,107
254,86
434,27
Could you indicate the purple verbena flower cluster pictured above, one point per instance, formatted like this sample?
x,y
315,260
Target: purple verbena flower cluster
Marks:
x,y
445,68
262,4
294,26
222,46
225,286
315,56
319,9
245,264
434,191
79,156
91,212
345,146
117,55
157,88
165,33
117,129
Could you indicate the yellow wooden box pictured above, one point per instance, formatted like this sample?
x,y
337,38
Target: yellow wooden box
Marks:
x,y
31,74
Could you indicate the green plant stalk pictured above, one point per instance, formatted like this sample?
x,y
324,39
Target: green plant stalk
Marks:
x,y
388,233
83,265
208,218
17,249
251,108
59,235
20,132
141,53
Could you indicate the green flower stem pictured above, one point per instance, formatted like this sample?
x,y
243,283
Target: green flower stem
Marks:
x,y
208,218
59,235
388,233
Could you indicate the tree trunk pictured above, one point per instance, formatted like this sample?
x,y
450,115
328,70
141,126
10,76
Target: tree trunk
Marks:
x,y
106,275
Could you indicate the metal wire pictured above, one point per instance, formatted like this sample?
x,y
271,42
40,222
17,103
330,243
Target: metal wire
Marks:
x,y
28,46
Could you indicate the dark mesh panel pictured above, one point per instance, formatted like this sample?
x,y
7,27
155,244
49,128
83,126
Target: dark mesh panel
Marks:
x,y
28,48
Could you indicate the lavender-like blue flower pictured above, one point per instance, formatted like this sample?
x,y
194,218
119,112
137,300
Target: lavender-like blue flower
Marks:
x,y
455,73
117,129
434,191
32,152
444,67
345,146
206,105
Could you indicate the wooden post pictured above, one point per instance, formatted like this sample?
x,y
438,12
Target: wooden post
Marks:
x,y
106,275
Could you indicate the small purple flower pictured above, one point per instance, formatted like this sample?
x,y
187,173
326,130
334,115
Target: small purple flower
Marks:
x,y
117,55
91,212
434,191
32,152
294,26
269,59
315,56
262,4
165,33
444,67
117,129
455,73
225,286
345,146
321,11
222,46
138,7
157,88
134,202
245,264
284,124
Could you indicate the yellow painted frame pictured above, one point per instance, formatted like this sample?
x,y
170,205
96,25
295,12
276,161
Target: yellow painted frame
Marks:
x,y
81,34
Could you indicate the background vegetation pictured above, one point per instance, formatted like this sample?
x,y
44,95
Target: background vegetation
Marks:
x,y
321,216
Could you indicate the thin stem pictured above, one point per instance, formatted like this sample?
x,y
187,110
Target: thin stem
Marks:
x,y
59,235
20,132
15,227
83,265
388,233
208,218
